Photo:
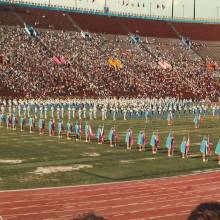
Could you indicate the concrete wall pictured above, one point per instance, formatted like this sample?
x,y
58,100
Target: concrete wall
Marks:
x,y
182,8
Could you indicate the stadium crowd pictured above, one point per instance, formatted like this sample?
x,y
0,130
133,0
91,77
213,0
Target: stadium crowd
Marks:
x,y
30,72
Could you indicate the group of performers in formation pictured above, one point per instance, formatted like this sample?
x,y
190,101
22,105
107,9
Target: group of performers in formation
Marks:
x,y
91,109
11,121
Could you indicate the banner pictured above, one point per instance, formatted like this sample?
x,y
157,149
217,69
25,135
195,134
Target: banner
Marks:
x,y
164,65
115,63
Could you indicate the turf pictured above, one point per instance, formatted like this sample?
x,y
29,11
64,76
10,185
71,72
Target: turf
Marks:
x,y
111,164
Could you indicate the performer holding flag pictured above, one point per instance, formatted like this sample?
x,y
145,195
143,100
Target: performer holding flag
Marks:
x,y
205,149
141,141
129,139
184,147
197,120
100,134
88,132
154,142
170,118
112,137
217,151
170,144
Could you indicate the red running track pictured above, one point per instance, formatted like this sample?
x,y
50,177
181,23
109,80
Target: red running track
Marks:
x,y
170,198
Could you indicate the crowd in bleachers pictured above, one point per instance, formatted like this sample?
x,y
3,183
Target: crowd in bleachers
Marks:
x,y
29,70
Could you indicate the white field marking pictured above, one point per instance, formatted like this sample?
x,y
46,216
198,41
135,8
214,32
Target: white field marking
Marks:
x,y
91,154
11,161
55,169
113,183
127,161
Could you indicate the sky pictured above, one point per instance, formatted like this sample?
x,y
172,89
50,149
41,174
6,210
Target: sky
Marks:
x,y
182,8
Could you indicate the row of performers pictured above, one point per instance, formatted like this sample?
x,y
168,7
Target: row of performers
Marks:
x,y
197,120
78,131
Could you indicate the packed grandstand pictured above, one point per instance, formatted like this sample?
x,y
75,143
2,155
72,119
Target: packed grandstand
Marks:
x,y
84,55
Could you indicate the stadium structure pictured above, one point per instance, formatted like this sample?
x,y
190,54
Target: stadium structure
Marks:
x,y
68,68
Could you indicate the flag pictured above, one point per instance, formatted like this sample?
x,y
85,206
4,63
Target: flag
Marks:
x,y
56,60
165,65
187,146
102,135
30,30
63,61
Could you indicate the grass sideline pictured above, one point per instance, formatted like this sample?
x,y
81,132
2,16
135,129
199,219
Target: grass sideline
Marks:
x,y
109,164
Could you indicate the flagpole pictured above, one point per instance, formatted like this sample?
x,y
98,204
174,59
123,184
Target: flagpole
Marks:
x,y
194,12
172,8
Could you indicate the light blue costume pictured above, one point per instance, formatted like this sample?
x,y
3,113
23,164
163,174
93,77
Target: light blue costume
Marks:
x,y
30,121
50,125
98,133
111,135
13,120
153,140
140,140
128,137
40,123
68,127
204,146
21,121
183,146
59,126
169,141
86,129
76,129
196,120
217,149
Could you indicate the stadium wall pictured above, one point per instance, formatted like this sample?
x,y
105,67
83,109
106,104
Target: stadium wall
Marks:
x,y
119,8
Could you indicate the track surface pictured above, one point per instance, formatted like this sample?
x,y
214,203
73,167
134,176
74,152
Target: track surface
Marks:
x,y
163,199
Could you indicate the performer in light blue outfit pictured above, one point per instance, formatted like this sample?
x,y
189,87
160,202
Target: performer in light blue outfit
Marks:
x,y
183,147
40,126
129,138
112,137
204,148
170,144
1,119
154,142
100,134
22,123
196,121
68,130
141,140
31,123
217,151
14,122
7,120
170,118
59,129
77,131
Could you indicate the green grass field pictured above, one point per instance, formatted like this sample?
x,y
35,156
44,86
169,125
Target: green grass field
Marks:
x,y
107,164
